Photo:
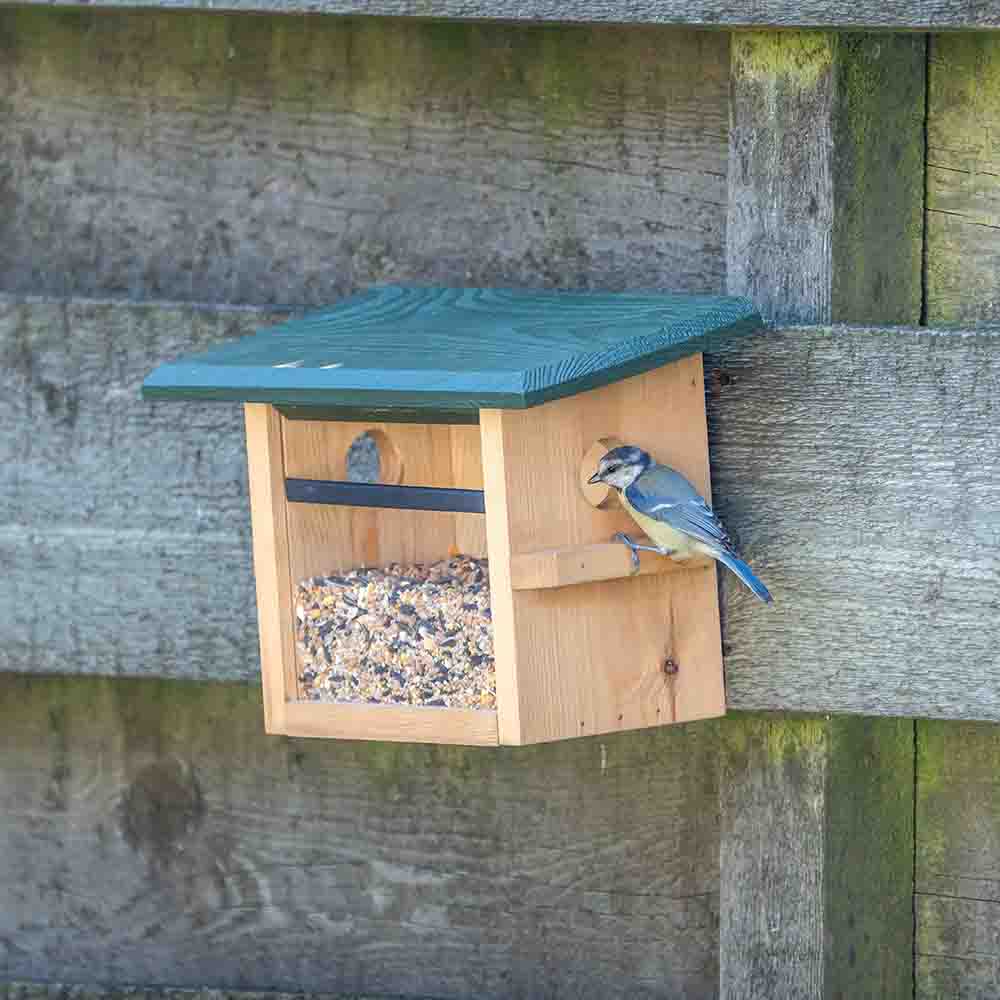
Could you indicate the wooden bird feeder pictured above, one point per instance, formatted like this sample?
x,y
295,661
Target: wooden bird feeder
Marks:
x,y
490,409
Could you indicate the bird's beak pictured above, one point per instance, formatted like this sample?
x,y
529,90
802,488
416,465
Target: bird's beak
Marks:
x,y
595,478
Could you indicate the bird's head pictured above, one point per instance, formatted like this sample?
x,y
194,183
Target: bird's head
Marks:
x,y
621,467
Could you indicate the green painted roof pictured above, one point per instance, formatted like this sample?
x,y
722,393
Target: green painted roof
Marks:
x,y
453,351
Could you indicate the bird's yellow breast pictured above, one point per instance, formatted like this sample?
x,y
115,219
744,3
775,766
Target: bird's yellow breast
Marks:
x,y
662,534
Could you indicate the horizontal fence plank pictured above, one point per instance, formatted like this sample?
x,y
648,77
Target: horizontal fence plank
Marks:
x,y
859,467
124,525
105,991
927,14
226,158
78,991
153,834
135,602
862,469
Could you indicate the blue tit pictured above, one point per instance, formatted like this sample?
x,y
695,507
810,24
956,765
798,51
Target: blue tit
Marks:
x,y
671,512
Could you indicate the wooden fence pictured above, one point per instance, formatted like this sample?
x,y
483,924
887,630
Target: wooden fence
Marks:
x,y
170,179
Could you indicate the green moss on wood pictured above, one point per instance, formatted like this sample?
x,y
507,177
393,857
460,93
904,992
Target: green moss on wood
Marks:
x,y
936,795
963,180
828,143
958,808
783,738
296,59
964,92
849,781
784,58
868,868
878,178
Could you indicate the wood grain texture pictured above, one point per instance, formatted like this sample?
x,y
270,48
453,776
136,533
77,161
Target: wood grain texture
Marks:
x,y
589,564
205,157
326,539
492,446
816,858
467,469
153,833
271,562
859,467
963,180
455,350
590,658
74,991
110,507
957,858
826,176
902,14
398,723
825,223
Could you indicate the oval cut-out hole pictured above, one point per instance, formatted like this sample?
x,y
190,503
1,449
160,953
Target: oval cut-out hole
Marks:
x,y
373,458
597,494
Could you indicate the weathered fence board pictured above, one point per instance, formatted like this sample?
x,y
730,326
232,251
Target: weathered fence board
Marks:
x,y
152,833
826,176
832,798
859,465
201,157
824,224
963,180
928,14
124,526
62,991
862,468
958,860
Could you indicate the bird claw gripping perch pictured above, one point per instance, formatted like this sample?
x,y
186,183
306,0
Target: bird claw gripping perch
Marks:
x,y
620,536
635,548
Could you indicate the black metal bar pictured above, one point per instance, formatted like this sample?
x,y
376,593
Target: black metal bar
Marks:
x,y
397,415
380,495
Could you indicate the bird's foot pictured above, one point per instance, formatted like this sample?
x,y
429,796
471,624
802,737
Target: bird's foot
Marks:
x,y
620,536
635,548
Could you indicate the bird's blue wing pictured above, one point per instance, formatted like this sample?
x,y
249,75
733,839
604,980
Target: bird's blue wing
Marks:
x,y
665,495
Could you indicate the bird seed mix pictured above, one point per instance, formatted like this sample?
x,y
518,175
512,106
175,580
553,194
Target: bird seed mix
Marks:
x,y
406,635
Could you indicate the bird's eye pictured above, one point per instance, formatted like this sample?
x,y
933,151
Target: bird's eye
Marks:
x,y
612,468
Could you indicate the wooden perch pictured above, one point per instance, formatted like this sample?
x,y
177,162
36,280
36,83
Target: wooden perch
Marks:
x,y
588,564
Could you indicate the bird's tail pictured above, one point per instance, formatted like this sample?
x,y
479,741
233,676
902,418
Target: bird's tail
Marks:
x,y
746,574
